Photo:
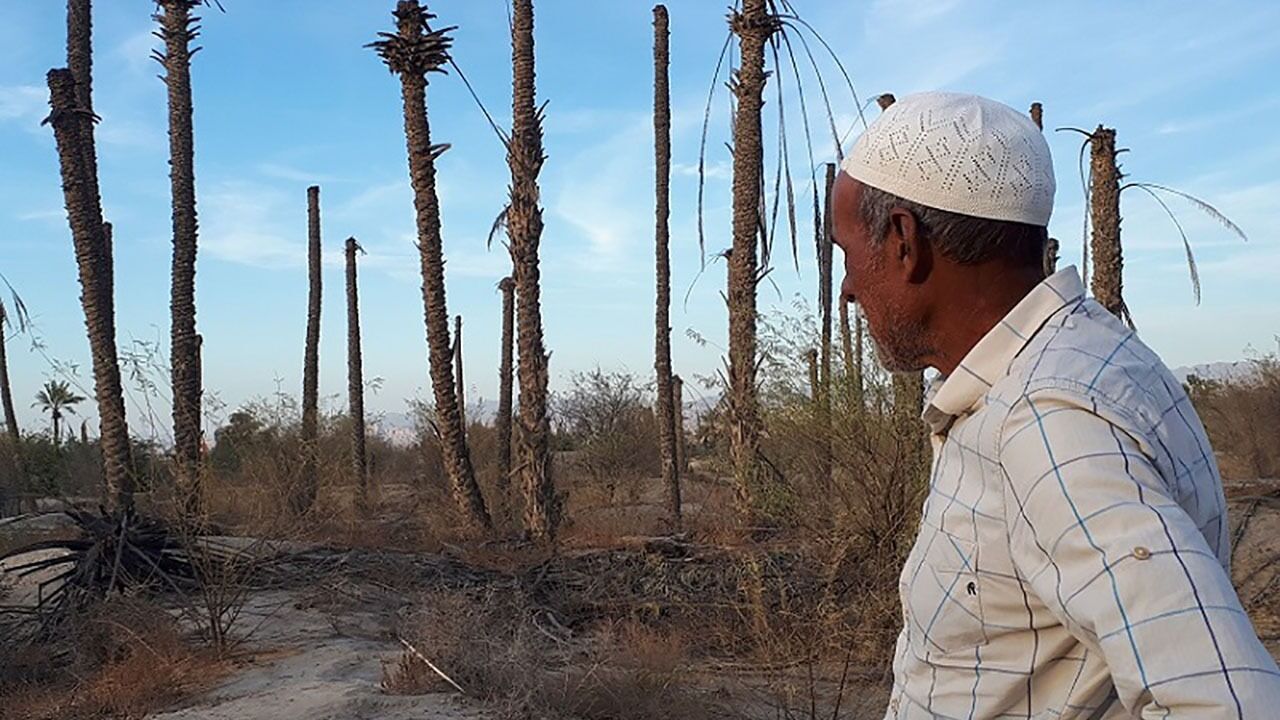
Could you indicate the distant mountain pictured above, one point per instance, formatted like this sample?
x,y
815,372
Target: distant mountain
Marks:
x,y
1238,370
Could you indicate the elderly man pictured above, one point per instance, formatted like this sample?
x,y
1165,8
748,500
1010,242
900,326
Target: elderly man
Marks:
x,y
1073,550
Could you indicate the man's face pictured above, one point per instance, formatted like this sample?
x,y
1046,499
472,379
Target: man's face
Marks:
x,y
876,277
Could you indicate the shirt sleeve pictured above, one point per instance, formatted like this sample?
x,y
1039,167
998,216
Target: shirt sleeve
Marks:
x,y
1096,534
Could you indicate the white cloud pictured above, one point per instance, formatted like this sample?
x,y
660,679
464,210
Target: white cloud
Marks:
x,y
286,172
24,103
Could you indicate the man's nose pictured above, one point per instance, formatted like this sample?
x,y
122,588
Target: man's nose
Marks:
x,y
846,289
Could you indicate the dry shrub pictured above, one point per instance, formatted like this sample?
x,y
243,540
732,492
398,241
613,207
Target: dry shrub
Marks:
x,y
502,649
1241,416
123,659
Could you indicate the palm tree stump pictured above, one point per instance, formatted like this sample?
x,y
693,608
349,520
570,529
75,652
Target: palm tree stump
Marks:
x,y
1104,214
662,239
355,380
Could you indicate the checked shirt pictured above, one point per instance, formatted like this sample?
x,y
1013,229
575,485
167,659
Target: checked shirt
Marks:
x,y
1072,560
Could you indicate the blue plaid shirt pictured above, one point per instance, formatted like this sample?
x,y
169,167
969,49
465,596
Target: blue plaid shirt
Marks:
x,y
1072,560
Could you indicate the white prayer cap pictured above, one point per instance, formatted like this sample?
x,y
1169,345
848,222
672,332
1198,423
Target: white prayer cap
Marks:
x,y
961,153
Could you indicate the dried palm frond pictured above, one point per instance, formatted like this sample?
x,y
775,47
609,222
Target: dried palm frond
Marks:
x,y
415,49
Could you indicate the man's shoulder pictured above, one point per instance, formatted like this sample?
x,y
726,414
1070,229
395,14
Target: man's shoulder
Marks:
x,y
1086,353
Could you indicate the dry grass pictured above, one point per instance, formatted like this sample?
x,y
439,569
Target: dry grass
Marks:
x,y
1241,417
125,659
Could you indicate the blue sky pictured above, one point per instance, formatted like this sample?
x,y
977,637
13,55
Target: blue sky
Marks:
x,y
286,96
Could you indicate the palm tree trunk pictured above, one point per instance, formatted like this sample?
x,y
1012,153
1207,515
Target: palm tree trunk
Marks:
x,y
1051,246
177,29
1037,114
411,53
826,246
1104,211
459,382
6,391
524,227
305,493
355,380
846,339
662,239
503,420
677,397
72,129
57,429
753,25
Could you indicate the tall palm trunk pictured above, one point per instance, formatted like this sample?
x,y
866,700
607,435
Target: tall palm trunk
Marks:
x,y
73,130
460,381
6,392
412,52
677,397
662,239
753,25
177,29
826,245
57,428
1104,211
305,493
503,420
355,379
524,227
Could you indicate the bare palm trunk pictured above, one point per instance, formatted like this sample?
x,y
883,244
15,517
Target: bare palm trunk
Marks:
x,y
6,392
846,338
1104,211
355,379
826,246
677,397
459,382
309,483
815,380
524,226
177,29
662,239
503,420
1050,246
753,26
411,53
73,129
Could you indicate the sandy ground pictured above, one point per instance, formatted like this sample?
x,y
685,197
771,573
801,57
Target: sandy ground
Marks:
x,y
311,664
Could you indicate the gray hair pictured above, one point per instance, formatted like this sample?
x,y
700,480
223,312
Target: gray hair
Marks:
x,y
963,239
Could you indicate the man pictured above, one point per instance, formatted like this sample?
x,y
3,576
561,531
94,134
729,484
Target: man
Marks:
x,y
1073,551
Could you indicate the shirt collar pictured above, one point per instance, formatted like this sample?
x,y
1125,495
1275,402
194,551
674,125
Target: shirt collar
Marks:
x,y
989,360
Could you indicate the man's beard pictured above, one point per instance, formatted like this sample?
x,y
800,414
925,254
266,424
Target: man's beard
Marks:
x,y
903,348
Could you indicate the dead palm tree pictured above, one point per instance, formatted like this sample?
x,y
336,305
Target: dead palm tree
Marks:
x,y
1103,189
58,399
662,235
178,28
753,25
73,133
412,52
355,378
677,397
459,380
304,494
826,243
17,324
1104,213
503,420
524,230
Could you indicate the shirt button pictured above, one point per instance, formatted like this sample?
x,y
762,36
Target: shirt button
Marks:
x,y
1141,553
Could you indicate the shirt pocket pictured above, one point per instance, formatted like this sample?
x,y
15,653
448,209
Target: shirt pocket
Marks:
x,y
941,597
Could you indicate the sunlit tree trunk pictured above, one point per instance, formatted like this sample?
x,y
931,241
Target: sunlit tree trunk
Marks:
x,y
355,379
309,483
524,227
1104,212
6,392
177,29
753,25
72,129
505,381
662,239
411,53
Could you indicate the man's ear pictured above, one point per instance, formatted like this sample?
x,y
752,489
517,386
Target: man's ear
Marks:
x,y
909,250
